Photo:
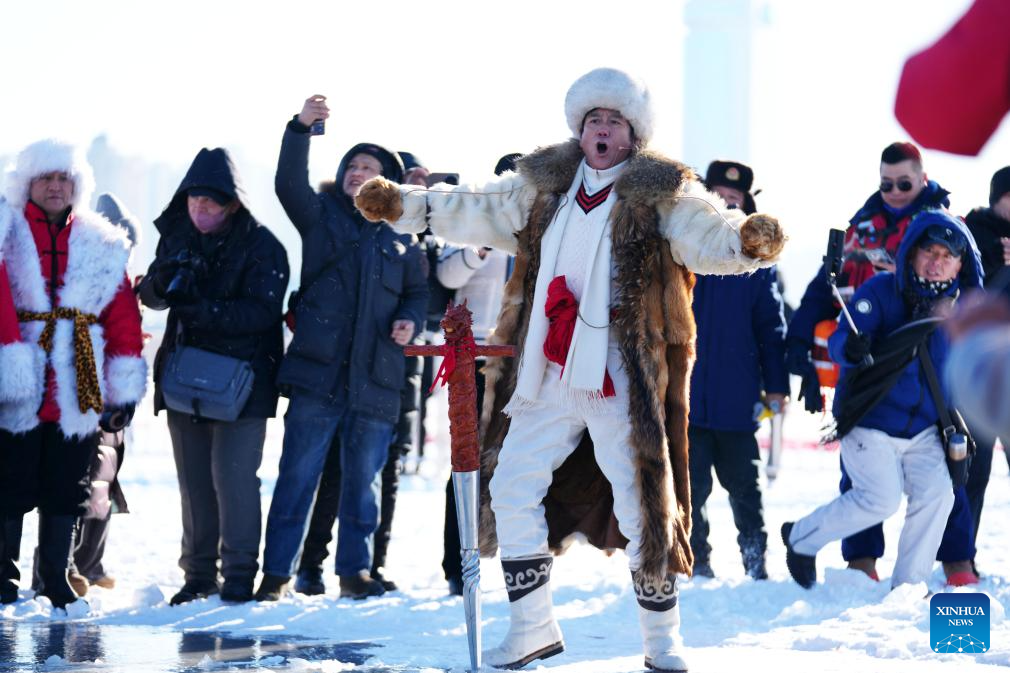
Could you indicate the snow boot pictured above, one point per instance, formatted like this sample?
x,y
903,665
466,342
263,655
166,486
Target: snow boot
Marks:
x,y
752,552
309,581
194,589
56,537
10,552
802,568
272,588
360,586
702,569
533,632
380,577
659,618
237,590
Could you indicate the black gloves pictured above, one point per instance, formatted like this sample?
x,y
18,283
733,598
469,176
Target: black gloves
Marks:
x,y
798,362
162,274
810,393
857,347
116,417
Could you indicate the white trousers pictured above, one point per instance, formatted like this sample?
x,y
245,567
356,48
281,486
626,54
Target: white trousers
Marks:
x,y
881,467
538,442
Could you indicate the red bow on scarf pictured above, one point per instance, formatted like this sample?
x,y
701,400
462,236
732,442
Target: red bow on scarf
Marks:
x,y
562,310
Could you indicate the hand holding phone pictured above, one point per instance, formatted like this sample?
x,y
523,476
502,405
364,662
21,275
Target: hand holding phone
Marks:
x,y
314,113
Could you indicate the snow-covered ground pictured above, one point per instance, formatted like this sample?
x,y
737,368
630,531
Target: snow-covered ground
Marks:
x,y
847,623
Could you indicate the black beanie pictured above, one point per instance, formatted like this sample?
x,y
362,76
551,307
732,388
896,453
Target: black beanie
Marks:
x,y
999,185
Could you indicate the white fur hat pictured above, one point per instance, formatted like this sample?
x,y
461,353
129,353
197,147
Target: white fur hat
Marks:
x,y
613,89
46,156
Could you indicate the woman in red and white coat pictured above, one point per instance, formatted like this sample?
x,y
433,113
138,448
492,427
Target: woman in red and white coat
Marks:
x,y
77,359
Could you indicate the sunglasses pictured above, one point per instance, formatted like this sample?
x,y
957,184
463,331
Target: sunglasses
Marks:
x,y
886,186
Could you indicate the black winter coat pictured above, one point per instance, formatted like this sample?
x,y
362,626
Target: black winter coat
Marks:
x,y
987,227
357,278
239,296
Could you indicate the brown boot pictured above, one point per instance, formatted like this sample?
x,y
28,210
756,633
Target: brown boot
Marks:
x,y
867,565
78,582
105,581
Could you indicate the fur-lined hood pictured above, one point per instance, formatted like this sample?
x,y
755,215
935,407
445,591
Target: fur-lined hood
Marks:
x,y
47,156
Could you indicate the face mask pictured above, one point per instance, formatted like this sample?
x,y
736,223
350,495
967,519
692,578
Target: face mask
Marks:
x,y
209,222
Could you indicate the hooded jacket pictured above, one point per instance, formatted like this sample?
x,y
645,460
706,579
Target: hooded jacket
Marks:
x,y
879,308
239,292
988,228
357,278
873,226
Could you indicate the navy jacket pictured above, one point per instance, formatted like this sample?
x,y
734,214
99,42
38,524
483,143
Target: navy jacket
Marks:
x,y
740,348
357,278
240,293
878,309
818,301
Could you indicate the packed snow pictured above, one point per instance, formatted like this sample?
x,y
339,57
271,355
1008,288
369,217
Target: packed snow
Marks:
x,y
846,623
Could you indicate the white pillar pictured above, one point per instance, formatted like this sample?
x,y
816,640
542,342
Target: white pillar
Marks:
x,y
717,80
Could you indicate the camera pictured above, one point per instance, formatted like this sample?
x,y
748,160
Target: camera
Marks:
x,y
447,178
180,289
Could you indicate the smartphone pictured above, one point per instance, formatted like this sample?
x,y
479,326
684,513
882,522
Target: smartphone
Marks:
x,y
878,257
833,257
448,178
318,127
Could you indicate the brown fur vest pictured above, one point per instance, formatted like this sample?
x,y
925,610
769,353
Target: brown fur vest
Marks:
x,y
656,332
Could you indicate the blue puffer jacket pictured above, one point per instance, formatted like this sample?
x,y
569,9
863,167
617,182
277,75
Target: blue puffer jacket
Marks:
x,y
878,309
740,351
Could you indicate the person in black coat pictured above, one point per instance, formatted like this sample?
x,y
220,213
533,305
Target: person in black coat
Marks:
x,y
223,277
991,229
363,296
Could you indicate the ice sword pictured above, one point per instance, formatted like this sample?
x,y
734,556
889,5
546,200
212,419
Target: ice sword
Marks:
x,y
458,370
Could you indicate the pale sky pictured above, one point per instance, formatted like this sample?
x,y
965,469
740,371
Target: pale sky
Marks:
x,y
461,83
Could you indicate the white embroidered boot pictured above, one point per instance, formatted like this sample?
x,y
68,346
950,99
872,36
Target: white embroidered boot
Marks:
x,y
659,617
533,631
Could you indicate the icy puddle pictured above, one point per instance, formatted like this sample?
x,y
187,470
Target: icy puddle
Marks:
x,y
86,648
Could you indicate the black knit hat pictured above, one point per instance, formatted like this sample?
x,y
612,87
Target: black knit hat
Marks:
x,y
999,185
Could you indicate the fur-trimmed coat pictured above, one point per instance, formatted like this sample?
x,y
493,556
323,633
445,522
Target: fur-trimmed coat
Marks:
x,y
94,282
664,225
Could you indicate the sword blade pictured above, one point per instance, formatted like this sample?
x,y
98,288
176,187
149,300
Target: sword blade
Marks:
x,y
466,488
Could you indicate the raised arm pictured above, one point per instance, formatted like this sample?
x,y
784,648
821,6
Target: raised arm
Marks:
x,y
291,183
708,238
488,215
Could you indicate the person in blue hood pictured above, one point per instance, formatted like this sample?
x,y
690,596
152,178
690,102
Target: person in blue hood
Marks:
x,y
896,445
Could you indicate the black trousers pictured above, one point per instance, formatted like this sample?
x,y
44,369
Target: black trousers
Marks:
x,y
734,457
327,507
44,469
452,562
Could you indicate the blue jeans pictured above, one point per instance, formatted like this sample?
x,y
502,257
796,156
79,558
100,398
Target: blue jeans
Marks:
x,y
310,425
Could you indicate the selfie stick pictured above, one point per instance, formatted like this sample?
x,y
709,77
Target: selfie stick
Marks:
x,y
832,267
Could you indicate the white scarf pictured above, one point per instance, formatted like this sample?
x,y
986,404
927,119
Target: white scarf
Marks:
x,y
582,379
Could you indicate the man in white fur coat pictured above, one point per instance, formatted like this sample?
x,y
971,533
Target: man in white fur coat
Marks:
x,y
78,360
606,235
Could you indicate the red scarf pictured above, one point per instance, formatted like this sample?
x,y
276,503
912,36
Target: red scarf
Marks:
x,y
562,310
